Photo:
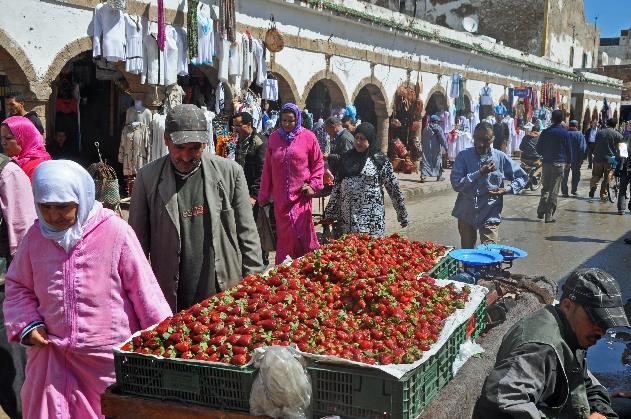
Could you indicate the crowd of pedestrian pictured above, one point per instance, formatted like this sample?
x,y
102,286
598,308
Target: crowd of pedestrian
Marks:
x,y
81,279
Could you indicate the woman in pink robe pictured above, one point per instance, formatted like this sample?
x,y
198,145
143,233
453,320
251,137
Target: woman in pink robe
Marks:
x,y
292,174
78,286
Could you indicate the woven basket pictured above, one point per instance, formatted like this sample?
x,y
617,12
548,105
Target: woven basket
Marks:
x,y
274,41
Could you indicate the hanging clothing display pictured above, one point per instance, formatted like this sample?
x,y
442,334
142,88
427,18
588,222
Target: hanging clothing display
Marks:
x,y
174,97
191,29
270,90
249,66
135,145
228,19
460,105
182,51
161,68
154,61
258,51
205,34
445,121
485,96
158,147
454,92
220,97
224,59
171,54
210,117
108,38
235,64
251,103
134,35
161,26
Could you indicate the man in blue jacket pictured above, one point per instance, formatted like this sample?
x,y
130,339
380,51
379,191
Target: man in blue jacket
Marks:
x,y
578,148
554,147
478,175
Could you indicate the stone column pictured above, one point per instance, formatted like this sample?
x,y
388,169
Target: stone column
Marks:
x,y
383,126
37,99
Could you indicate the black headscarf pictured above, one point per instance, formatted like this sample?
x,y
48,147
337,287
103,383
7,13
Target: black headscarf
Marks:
x,y
352,162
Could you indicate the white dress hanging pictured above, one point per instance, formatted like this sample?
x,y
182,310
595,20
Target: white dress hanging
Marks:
x,y
134,34
205,35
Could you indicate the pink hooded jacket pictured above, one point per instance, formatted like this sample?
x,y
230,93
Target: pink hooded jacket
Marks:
x,y
90,300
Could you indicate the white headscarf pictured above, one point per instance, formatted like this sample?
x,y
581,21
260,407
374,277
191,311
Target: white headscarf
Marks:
x,y
59,181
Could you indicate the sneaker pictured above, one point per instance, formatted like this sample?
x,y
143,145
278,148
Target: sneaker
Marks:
x,y
574,193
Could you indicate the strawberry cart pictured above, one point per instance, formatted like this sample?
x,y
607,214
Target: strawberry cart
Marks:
x,y
376,321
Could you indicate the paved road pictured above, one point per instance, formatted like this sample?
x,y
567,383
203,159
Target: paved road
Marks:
x,y
586,233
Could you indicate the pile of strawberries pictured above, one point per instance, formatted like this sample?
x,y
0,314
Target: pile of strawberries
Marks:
x,y
358,298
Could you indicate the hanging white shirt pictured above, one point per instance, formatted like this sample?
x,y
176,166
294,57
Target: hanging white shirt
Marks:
x,y
224,59
134,32
182,51
172,57
108,24
210,117
270,90
485,96
153,61
259,60
235,61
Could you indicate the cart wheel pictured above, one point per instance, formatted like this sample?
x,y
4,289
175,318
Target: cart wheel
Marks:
x,y
613,189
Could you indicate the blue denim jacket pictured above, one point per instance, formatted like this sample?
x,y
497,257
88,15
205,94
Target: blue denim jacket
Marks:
x,y
474,205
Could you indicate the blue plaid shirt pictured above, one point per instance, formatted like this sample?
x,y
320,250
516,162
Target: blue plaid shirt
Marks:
x,y
474,205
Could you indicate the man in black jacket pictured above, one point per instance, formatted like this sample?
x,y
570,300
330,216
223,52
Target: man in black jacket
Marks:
x,y
341,142
501,133
15,107
250,155
541,367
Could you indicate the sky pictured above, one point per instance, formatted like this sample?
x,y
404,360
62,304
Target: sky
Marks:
x,y
612,16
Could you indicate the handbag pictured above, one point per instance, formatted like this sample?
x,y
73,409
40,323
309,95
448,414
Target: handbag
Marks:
x,y
107,190
266,232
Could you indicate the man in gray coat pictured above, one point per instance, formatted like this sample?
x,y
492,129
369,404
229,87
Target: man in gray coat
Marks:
x,y
192,214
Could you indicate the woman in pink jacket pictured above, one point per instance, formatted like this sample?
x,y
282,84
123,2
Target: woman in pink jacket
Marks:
x,y
78,286
23,142
292,174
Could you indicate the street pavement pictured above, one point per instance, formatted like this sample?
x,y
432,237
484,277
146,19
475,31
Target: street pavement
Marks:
x,y
587,232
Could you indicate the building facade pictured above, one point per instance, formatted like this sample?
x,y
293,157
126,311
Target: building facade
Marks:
x,y
553,29
336,52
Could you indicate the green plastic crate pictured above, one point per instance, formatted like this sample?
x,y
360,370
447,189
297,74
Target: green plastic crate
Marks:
x,y
368,393
446,268
218,387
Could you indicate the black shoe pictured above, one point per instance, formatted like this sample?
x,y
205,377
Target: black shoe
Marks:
x,y
440,179
627,241
592,191
566,195
540,215
574,193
